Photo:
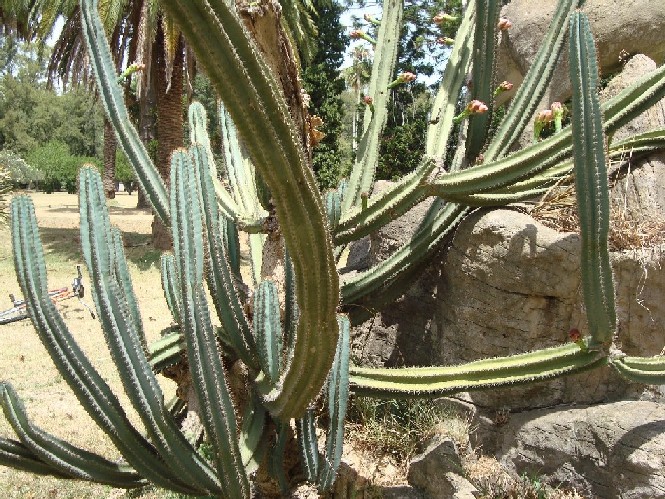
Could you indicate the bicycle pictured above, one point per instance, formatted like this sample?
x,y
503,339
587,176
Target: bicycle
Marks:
x,y
19,310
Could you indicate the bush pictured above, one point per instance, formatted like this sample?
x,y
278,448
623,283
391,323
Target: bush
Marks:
x,y
57,166
20,172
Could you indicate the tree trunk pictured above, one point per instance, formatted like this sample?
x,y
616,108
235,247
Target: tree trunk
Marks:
x,y
148,125
169,122
109,160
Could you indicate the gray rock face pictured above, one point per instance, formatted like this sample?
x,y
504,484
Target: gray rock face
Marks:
x,y
609,451
437,471
634,27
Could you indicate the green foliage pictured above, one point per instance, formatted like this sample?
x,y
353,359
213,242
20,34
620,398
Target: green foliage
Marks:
x,y
322,81
58,167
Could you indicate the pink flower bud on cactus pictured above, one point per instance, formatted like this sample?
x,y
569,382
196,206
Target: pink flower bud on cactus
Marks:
x,y
406,77
444,40
476,107
574,335
441,17
504,24
368,100
356,34
545,116
505,86
367,18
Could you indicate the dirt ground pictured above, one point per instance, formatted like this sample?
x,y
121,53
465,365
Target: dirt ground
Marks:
x,y
24,362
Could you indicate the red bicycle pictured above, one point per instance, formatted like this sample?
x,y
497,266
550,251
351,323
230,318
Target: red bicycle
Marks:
x,y
19,310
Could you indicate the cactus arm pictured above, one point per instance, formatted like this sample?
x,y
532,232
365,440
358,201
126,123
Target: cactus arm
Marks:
x,y
219,275
258,109
338,396
482,374
16,455
268,329
111,94
86,383
512,168
591,183
649,370
170,286
308,444
198,134
638,144
123,341
166,351
256,242
531,90
277,454
385,55
423,243
64,457
496,199
483,73
208,376
251,433
385,207
445,102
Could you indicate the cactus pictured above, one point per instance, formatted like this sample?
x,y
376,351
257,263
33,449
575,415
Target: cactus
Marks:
x,y
289,326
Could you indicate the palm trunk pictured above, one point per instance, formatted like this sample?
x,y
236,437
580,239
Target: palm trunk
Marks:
x,y
169,122
109,160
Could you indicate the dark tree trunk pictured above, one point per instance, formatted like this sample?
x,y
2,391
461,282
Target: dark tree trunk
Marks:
x,y
109,160
148,125
169,122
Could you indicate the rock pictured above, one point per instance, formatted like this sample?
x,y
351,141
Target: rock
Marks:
x,y
609,451
637,193
512,285
635,27
437,471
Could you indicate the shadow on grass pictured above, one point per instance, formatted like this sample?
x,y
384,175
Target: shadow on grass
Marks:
x,y
65,243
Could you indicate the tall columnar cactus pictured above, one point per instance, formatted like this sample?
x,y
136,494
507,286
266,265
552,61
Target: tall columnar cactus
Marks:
x,y
289,326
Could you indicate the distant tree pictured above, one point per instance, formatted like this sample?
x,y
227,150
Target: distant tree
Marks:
x,y
323,82
21,173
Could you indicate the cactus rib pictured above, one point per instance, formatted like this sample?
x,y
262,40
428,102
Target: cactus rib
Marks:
x,y
650,370
16,455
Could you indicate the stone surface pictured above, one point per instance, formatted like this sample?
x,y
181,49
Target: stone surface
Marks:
x,y
637,192
437,471
635,27
609,451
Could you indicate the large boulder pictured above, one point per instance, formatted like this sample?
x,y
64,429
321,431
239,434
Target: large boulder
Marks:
x,y
634,27
609,451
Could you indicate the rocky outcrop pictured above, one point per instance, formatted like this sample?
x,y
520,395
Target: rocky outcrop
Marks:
x,y
609,451
634,27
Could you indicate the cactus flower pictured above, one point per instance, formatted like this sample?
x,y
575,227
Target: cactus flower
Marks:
x,y
405,77
558,112
574,335
504,24
473,107
371,20
543,118
441,17
357,34
369,102
504,86
131,69
444,40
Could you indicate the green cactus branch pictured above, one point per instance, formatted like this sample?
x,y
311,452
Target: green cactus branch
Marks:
x,y
383,66
65,458
483,73
482,374
107,84
16,455
205,360
532,88
445,101
591,183
649,370
257,107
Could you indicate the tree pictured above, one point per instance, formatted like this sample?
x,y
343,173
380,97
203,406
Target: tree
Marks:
x,y
322,80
